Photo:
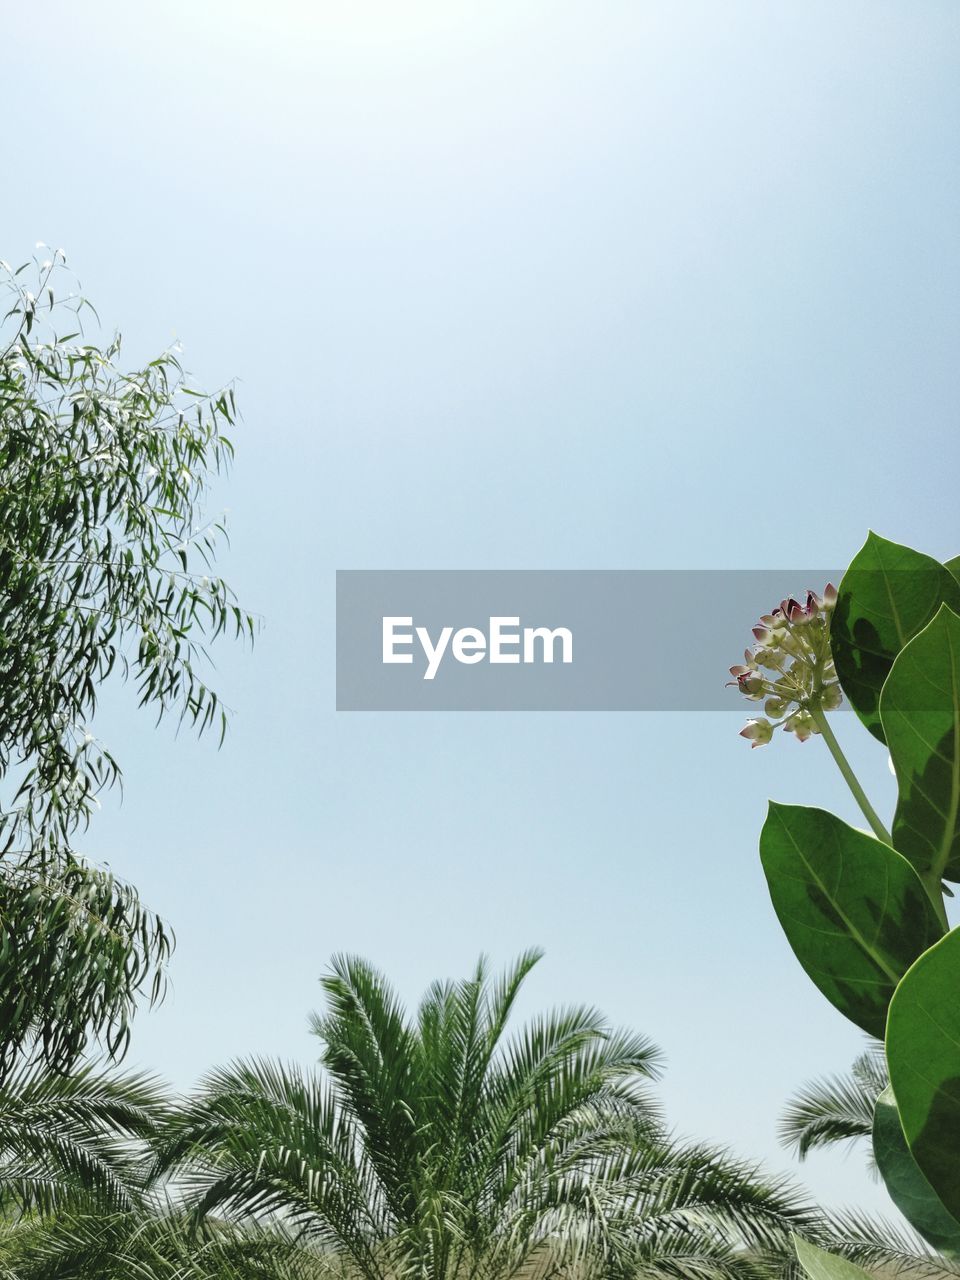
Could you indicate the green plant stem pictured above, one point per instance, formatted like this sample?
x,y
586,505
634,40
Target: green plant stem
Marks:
x,y
931,884
843,764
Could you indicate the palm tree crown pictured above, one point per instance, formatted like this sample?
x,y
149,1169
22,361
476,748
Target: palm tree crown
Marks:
x,y
439,1148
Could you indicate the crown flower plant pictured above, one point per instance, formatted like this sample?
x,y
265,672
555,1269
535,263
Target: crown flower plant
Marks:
x,y
790,669
866,913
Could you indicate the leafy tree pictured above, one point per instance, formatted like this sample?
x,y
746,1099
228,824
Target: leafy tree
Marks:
x,y
104,472
105,567
438,1148
76,948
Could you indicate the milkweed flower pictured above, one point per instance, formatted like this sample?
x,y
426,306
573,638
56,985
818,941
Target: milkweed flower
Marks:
x,y
758,732
790,669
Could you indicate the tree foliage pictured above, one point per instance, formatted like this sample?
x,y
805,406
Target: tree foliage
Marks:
x,y
75,1143
105,555
106,569
77,949
438,1147
836,1109
159,1243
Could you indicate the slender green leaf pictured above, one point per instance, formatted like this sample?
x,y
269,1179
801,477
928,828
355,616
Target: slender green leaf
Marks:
x,y
854,910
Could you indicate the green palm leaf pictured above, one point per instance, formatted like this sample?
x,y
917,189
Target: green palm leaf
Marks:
x,y
835,1109
75,1139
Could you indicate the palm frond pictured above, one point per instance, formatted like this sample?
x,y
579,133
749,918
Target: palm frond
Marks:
x,y
65,1139
163,1245
874,1242
835,1109
261,1140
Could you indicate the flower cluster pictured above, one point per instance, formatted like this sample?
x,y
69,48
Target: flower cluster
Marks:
x,y
790,669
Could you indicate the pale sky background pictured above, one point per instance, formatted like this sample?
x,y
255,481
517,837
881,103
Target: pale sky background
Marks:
x,y
509,285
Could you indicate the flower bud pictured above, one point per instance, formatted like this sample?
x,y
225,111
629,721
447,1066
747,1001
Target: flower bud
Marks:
x,y
829,596
831,697
795,611
751,683
801,725
757,732
775,707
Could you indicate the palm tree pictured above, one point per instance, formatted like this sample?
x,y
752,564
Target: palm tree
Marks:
x,y
79,1197
439,1149
151,1244
77,1140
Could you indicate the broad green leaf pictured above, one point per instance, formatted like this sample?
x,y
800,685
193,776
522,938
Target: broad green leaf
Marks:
x,y
854,910
954,567
909,1189
923,1053
920,710
820,1265
887,595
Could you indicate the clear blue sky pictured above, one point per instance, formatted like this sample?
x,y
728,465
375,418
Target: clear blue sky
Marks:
x,y
509,285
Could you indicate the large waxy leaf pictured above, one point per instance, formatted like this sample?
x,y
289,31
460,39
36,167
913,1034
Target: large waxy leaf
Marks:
x,y
908,1187
954,567
923,1053
820,1265
887,595
920,710
854,910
